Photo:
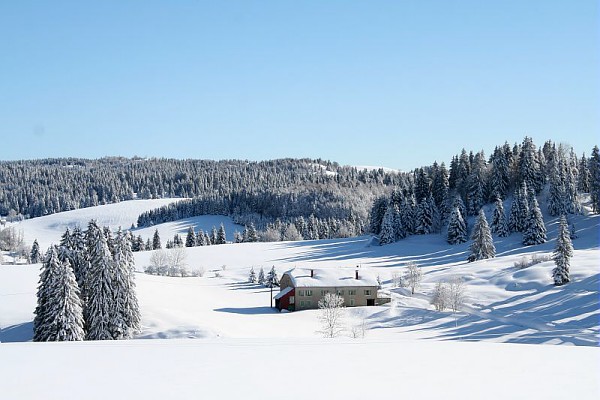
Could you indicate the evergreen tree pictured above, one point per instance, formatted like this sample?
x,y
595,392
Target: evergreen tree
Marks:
x,y
207,239
237,237
583,183
562,254
529,166
425,217
272,279
126,319
261,276
221,237
476,185
148,245
519,210
499,225
213,236
65,306
594,168
407,215
387,233
483,244
200,238
535,233
42,323
252,235
190,239
458,202
457,229
100,306
35,255
156,241
252,276
376,215
422,185
499,179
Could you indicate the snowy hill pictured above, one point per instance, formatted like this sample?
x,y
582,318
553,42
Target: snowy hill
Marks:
x,y
233,319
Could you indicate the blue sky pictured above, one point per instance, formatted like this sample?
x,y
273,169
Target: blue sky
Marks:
x,y
392,83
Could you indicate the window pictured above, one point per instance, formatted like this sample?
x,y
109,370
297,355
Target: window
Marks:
x,y
352,292
351,302
300,293
324,292
340,292
304,303
292,300
308,293
367,292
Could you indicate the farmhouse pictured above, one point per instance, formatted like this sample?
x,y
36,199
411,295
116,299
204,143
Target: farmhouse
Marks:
x,y
302,289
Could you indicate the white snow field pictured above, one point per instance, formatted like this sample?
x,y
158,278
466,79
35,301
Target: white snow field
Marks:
x,y
225,340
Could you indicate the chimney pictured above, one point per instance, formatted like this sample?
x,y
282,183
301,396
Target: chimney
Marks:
x,y
356,275
312,273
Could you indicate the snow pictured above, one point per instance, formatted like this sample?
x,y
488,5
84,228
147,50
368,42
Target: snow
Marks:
x,y
220,327
331,277
375,168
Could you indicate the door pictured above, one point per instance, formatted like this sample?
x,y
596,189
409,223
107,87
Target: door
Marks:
x,y
370,302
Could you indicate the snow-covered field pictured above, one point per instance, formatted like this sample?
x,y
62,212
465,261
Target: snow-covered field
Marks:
x,y
409,348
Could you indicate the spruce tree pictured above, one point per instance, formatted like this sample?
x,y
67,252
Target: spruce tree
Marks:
x,y
483,244
190,239
125,321
66,313
562,254
156,241
42,323
476,185
594,168
253,235
499,225
519,210
252,276
387,232
272,279
261,276
535,233
100,305
407,215
457,229
35,256
221,237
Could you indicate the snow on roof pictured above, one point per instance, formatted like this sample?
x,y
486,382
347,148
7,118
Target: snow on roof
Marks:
x,y
283,292
331,277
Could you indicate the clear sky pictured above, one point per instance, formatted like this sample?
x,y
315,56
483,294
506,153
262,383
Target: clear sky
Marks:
x,y
391,83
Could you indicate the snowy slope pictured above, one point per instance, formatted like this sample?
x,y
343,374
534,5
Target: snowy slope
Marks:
x,y
296,369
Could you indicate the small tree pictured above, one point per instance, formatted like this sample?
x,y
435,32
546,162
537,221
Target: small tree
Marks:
x,y
562,254
252,276
156,241
483,244
413,276
177,257
272,279
499,224
159,262
456,293
261,276
440,296
35,256
457,228
190,239
221,237
331,313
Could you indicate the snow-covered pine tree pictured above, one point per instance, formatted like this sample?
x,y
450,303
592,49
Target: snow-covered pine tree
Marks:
x,y
499,179
562,254
125,314
65,246
529,166
253,235
387,233
556,192
594,168
476,185
519,210
156,241
221,237
458,202
272,278
237,237
425,217
252,276
66,313
457,229
42,327
399,231
148,245
190,238
207,239
583,182
499,225
100,305
35,256
261,276
376,215
536,230
483,244
200,238
407,215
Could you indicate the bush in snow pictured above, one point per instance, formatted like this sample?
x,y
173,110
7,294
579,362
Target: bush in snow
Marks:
x,y
413,276
440,296
456,293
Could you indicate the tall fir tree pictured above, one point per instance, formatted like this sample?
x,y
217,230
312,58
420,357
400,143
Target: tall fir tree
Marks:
x,y
376,215
535,232
387,232
476,185
499,224
99,311
221,237
252,276
261,276
583,183
594,168
156,241
42,323
483,244
65,306
519,210
457,229
272,279
562,254
126,320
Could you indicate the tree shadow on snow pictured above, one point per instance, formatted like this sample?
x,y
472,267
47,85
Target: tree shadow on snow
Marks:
x,y
17,333
247,310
